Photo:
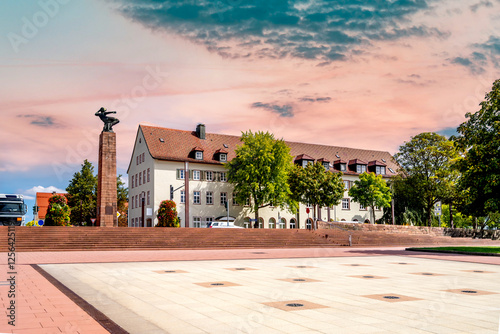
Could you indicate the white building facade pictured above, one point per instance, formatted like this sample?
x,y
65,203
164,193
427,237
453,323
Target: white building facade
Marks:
x,y
191,164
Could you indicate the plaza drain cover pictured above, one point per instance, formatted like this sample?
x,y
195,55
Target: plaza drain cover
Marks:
x,y
469,291
299,280
170,271
428,274
403,263
368,276
217,284
258,253
355,265
391,297
478,271
239,269
295,305
301,266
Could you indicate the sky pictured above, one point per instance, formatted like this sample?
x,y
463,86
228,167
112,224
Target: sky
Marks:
x,y
358,73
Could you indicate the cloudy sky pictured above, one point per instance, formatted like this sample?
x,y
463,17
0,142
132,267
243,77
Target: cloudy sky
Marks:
x,y
357,73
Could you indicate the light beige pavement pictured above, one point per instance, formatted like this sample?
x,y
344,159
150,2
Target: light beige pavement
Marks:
x,y
342,290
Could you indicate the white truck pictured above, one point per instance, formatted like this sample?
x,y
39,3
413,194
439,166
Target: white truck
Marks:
x,y
12,210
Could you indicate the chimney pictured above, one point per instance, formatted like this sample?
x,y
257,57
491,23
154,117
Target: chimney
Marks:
x,y
200,131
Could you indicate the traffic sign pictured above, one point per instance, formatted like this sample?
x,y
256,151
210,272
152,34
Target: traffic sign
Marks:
x,y
40,222
307,210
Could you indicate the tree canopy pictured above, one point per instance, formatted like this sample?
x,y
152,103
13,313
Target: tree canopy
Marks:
x,y
167,214
479,138
82,194
371,191
316,186
259,172
426,160
58,212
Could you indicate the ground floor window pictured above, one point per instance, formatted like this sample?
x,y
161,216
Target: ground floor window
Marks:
x,y
208,220
272,223
261,222
282,223
345,204
246,223
309,223
197,222
293,223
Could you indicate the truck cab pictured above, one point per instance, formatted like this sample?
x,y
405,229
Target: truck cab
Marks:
x,y
12,210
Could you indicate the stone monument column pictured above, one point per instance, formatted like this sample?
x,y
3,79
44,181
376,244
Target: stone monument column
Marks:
x,y
106,175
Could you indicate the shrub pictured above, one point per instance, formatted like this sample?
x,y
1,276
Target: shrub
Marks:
x,y
167,215
58,212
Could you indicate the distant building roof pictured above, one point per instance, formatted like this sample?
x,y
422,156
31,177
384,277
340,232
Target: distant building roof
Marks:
x,y
178,144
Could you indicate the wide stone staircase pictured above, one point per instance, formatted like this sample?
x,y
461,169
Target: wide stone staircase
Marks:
x,y
52,238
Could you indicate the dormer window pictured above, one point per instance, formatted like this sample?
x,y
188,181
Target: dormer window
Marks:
x,y
358,166
197,153
304,160
221,155
340,165
325,164
377,167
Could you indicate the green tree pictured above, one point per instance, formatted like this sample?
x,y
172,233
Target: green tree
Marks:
x,y
314,185
167,214
58,212
82,194
479,138
371,191
259,172
427,159
122,202
408,208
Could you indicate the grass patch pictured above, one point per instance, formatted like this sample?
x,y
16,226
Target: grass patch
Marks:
x,y
479,250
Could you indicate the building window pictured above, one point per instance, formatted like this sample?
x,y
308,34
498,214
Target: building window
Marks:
x,y
196,197
209,175
346,185
342,167
210,197
197,222
272,223
360,169
223,177
137,160
135,180
208,221
345,204
132,185
136,201
196,175
180,174
140,178
234,200
183,196
144,177
282,223
223,198
143,157
132,201
362,207
247,202
223,157
199,155
149,197
149,174
292,223
380,170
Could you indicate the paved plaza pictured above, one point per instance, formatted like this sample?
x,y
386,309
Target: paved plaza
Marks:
x,y
335,290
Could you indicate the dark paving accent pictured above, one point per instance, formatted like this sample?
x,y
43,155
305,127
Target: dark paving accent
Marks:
x,y
391,297
295,305
368,276
355,265
97,315
479,271
471,292
219,284
428,274
299,280
240,269
170,271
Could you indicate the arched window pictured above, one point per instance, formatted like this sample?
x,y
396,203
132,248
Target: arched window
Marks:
x,y
282,223
309,223
261,222
272,223
246,222
293,223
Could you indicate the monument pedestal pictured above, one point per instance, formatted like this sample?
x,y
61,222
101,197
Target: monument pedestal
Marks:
x,y
106,181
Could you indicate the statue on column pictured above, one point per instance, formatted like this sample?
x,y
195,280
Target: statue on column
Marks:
x,y
108,121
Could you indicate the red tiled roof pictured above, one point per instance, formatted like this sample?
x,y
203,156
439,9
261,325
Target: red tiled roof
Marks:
x,y
220,150
340,161
323,160
197,148
179,143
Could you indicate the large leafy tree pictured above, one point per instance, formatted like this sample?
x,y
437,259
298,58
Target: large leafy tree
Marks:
x,y
408,208
479,138
427,159
82,194
259,172
314,185
371,191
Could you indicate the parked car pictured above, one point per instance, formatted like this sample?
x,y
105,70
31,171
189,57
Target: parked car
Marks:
x,y
222,224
